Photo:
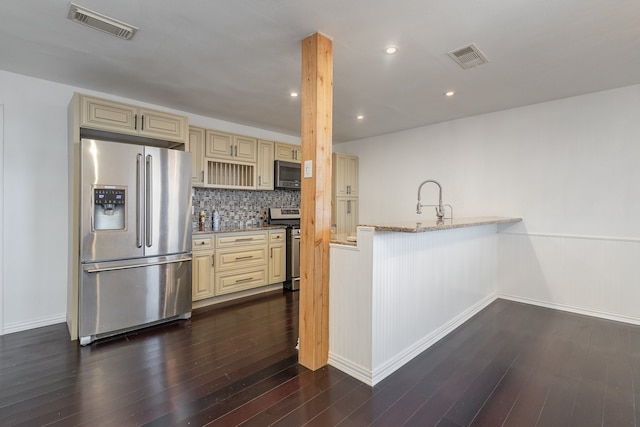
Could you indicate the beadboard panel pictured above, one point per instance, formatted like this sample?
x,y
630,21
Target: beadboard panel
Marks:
x,y
591,275
396,294
350,303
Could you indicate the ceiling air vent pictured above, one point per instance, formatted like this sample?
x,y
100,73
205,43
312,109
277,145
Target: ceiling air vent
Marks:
x,y
468,56
100,22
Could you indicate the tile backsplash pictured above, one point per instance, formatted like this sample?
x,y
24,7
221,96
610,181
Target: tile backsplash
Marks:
x,y
238,207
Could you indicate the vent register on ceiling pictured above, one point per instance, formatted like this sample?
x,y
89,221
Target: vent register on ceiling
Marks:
x,y
101,22
468,56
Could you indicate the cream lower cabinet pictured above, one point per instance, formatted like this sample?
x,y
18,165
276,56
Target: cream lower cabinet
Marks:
x,y
203,272
277,256
224,263
241,261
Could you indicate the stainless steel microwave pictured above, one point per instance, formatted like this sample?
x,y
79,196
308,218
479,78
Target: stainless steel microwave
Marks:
x,y
287,175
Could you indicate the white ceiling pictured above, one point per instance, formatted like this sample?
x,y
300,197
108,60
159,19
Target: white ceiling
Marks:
x,y
237,60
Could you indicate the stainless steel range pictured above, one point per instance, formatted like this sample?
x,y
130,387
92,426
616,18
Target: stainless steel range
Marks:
x,y
290,217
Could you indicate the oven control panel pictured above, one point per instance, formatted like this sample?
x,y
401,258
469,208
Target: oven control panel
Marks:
x,y
284,213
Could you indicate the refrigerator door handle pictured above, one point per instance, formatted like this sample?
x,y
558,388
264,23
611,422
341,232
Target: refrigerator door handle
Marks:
x,y
95,268
139,201
149,204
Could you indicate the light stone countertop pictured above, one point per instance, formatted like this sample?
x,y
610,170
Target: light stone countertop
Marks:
x,y
400,227
425,226
445,224
236,229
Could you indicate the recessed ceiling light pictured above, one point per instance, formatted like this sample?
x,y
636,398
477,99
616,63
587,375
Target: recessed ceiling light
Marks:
x,y
359,117
449,93
390,50
294,94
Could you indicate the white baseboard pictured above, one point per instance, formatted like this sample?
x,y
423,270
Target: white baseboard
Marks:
x,y
379,373
352,369
10,328
572,309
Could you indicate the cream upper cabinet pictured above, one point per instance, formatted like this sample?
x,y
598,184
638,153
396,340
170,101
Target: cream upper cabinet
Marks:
x,y
288,152
265,165
345,176
344,201
246,148
218,145
112,116
196,148
221,145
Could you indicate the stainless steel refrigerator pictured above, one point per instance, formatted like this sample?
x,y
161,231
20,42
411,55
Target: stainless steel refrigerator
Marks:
x,y
135,237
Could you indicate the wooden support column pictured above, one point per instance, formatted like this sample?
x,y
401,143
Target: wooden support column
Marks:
x,y
317,104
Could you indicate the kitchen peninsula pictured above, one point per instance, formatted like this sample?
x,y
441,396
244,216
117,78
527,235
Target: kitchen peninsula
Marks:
x,y
402,287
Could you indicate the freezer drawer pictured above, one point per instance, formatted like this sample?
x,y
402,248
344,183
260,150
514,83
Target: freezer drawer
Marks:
x,y
125,295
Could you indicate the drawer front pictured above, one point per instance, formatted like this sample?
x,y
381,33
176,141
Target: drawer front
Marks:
x,y
240,257
235,239
277,236
202,243
234,281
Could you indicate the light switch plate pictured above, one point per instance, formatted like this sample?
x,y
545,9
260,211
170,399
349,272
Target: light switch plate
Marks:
x,y
308,168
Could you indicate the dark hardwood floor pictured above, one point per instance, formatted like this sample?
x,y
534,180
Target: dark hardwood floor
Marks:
x,y
512,365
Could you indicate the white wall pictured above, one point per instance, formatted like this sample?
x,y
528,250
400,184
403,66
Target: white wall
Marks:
x,y
1,216
34,277
570,168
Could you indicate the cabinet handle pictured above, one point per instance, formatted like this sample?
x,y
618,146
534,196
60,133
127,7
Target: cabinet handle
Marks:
x,y
244,257
213,260
231,154
202,179
135,122
236,148
260,180
202,243
348,206
142,123
271,255
248,239
244,280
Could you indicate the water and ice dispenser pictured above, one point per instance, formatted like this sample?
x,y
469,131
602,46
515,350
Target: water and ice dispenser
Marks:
x,y
109,208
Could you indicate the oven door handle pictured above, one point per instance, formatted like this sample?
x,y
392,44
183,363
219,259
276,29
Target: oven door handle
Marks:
x,y
296,237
